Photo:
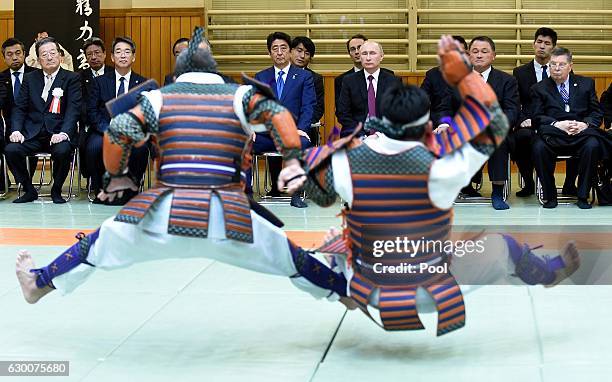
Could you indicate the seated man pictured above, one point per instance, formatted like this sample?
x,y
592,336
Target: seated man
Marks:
x,y
179,45
294,88
361,91
606,105
106,87
565,111
45,119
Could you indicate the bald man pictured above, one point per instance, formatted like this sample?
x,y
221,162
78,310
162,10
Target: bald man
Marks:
x,y
359,98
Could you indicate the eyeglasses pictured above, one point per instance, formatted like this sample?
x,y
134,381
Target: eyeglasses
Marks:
x,y
119,52
559,65
49,54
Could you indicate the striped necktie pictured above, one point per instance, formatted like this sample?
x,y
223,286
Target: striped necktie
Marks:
x,y
564,93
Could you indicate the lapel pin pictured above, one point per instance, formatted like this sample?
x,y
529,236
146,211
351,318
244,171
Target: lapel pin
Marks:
x,y
294,75
575,84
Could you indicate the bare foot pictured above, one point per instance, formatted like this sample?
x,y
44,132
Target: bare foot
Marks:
x,y
571,258
349,303
27,279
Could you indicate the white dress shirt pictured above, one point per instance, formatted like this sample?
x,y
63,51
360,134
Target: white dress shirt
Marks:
x,y
538,70
118,81
285,71
485,74
21,72
49,78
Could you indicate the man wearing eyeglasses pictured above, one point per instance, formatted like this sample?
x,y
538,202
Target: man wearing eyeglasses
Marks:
x,y
106,87
44,119
567,115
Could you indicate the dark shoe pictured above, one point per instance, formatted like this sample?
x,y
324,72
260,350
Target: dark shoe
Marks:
x,y
274,193
57,198
550,204
29,196
570,190
297,202
469,191
527,191
583,204
498,203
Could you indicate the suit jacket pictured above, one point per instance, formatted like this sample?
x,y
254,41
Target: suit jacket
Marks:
x,y
526,77
353,104
506,90
102,91
606,105
319,109
6,98
87,80
338,85
548,106
437,89
298,93
31,113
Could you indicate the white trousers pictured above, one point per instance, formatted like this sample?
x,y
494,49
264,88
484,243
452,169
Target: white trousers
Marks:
x,y
120,245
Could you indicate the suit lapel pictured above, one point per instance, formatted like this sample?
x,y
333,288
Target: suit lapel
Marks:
x,y
532,74
552,88
58,82
292,75
361,83
573,89
8,82
134,81
380,86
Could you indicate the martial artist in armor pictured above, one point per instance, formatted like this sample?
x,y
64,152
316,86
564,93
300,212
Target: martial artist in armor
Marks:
x,y
405,180
198,207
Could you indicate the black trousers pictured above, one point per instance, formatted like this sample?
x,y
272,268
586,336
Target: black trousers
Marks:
x,y
497,165
61,155
588,154
139,159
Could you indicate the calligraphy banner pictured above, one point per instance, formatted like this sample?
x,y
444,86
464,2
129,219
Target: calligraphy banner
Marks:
x,y
69,21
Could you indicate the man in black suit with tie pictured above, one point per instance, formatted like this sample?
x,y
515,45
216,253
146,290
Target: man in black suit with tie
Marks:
x,y
521,137
438,90
353,45
302,51
567,115
45,118
105,88
482,55
606,105
13,52
361,91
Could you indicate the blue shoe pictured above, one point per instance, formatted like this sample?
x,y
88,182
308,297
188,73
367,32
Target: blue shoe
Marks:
x,y
498,203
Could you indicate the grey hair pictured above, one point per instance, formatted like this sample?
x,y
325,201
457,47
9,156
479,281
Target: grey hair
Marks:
x,y
560,51
201,60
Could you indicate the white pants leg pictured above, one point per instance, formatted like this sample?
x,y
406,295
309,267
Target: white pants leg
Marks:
x,y
121,245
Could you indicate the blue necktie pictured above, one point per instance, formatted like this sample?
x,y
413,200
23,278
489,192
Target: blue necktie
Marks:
x,y
564,93
544,74
280,84
121,86
17,86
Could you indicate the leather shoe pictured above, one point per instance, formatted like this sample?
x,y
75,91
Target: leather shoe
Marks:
x,y
29,196
526,192
583,204
550,204
297,202
469,191
57,198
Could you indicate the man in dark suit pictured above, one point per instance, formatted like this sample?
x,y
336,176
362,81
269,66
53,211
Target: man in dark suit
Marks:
x,y
527,75
105,88
567,115
294,89
437,89
482,55
45,118
361,91
95,53
13,52
179,45
353,45
606,105
302,51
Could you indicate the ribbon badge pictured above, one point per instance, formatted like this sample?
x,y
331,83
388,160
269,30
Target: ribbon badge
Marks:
x,y
55,104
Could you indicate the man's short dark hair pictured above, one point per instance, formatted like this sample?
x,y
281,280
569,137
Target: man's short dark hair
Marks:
x,y
10,42
94,41
462,41
125,40
359,36
402,104
308,44
179,41
546,32
485,39
561,51
44,41
277,36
